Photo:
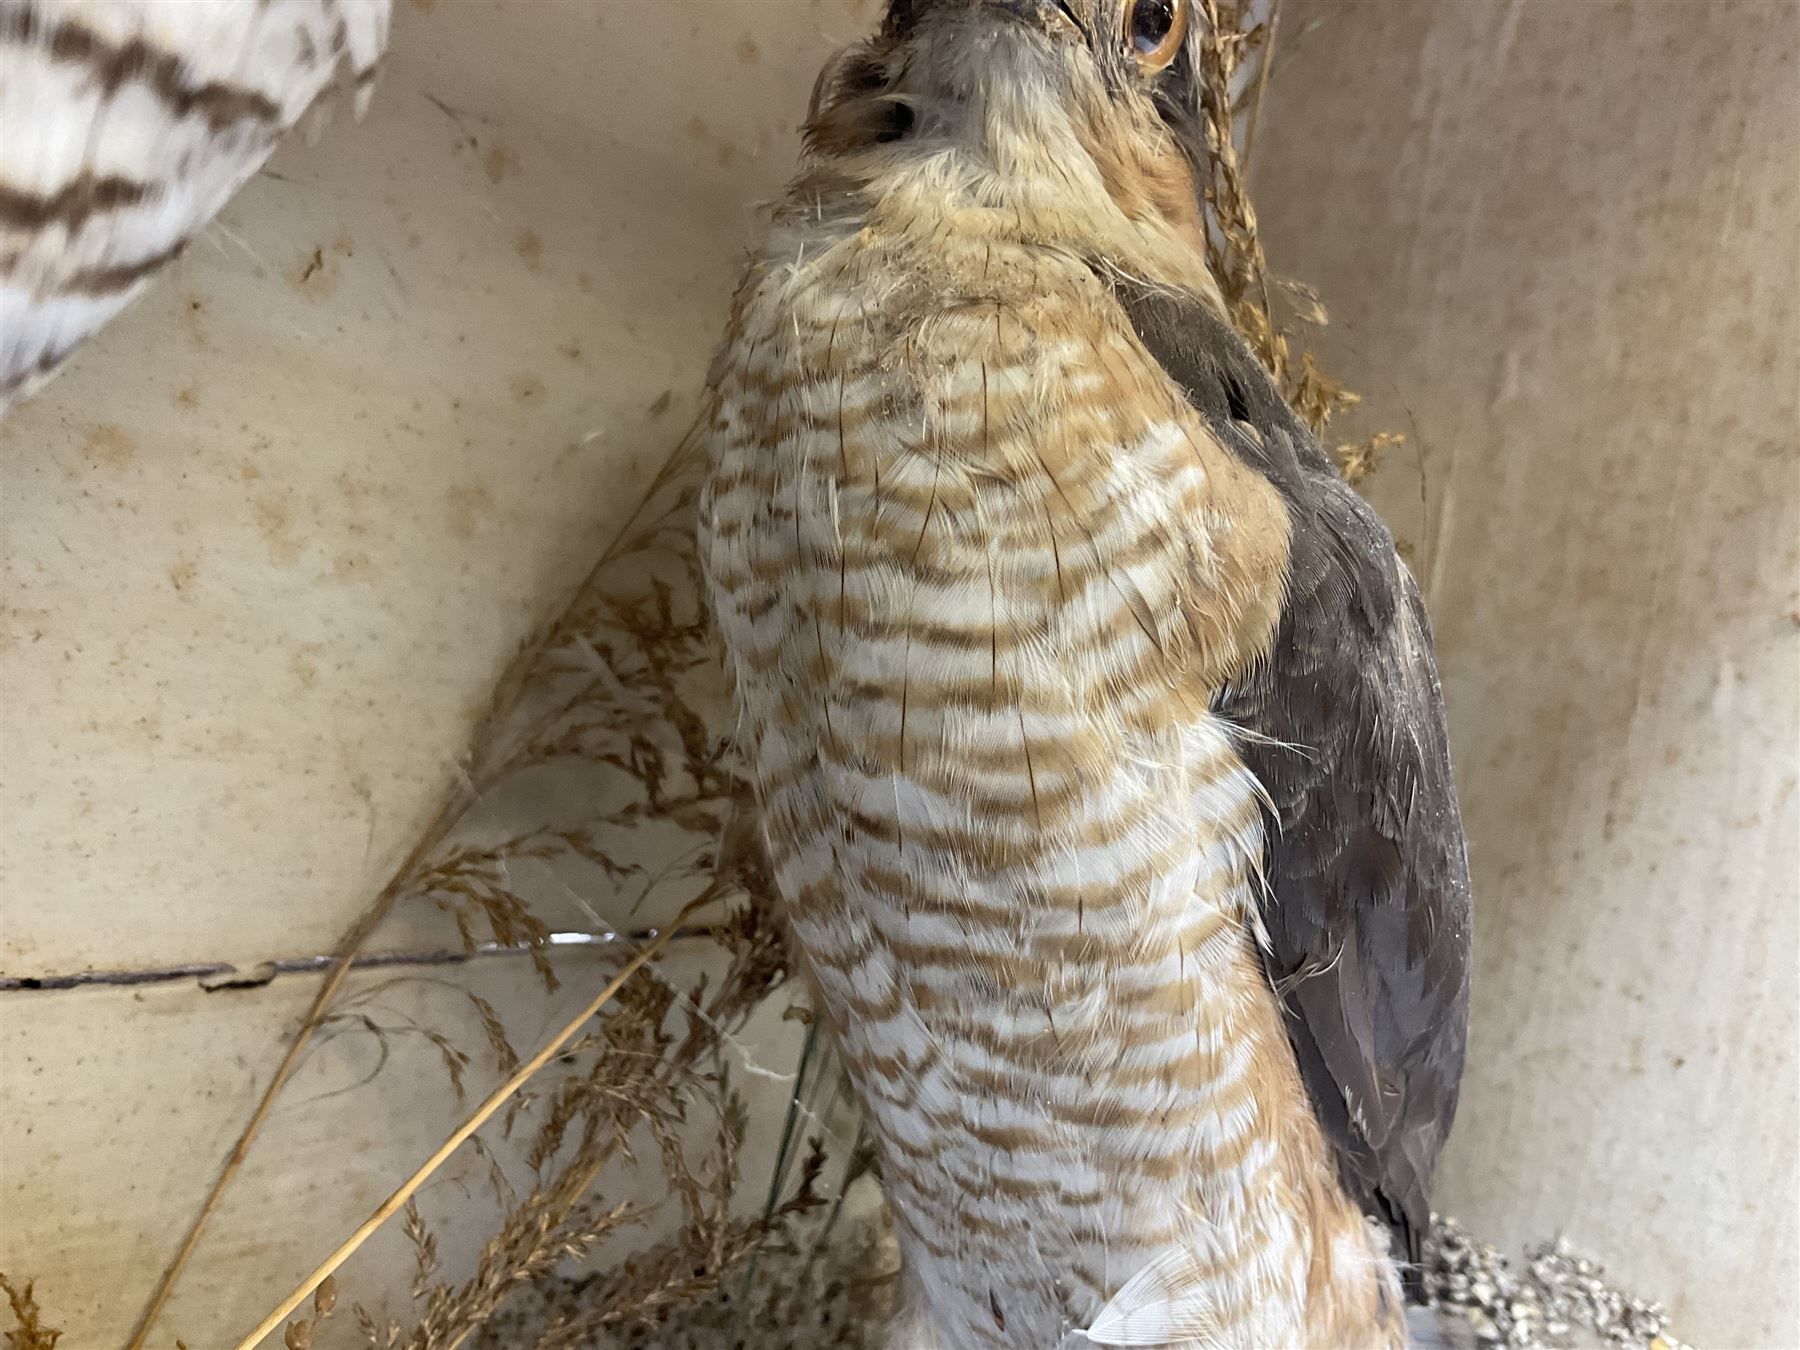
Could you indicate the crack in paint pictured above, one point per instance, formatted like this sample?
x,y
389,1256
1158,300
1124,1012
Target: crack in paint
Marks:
x,y
216,975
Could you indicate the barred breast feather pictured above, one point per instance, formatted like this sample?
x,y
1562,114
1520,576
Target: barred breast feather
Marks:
x,y
982,572
125,125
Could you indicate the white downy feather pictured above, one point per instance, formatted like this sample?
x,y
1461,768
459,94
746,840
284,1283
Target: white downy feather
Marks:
x,y
1164,1304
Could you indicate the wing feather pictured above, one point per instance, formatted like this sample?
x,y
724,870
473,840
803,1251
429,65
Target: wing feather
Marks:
x,y
1368,915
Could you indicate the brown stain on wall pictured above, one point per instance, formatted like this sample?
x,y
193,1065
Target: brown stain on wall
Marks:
x,y
500,163
305,664
275,519
469,507
192,314
349,567
318,275
22,625
527,390
108,445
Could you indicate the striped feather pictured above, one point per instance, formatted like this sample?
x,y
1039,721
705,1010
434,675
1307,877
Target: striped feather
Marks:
x,y
125,125
982,572
975,625
1165,1303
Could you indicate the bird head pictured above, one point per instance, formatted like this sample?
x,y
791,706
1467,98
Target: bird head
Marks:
x,y
1080,121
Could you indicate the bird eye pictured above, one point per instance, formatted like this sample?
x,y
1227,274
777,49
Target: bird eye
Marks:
x,y
1155,30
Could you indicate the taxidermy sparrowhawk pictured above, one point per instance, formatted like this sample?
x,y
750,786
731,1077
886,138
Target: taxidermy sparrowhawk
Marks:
x,y
1094,719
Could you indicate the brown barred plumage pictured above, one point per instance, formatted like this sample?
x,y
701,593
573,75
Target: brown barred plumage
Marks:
x,y
987,572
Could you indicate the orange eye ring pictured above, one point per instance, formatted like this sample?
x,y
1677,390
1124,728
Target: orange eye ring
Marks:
x,y
1154,32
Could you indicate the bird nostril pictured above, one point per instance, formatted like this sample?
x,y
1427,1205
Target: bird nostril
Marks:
x,y
899,122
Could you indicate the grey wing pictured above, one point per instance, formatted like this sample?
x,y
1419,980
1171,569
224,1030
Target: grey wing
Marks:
x,y
1369,909
124,128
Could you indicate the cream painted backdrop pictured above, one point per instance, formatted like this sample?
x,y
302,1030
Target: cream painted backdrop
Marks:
x,y
1559,244
269,540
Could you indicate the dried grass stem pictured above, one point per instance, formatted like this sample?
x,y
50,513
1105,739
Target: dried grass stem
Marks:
x,y
495,1100
488,762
